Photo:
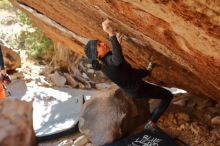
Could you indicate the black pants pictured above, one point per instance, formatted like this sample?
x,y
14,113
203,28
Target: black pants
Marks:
x,y
146,90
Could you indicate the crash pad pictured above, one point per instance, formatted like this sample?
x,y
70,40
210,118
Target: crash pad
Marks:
x,y
146,138
55,110
63,116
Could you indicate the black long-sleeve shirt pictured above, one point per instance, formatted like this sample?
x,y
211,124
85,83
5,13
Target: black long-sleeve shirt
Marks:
x,y
129,79
116,68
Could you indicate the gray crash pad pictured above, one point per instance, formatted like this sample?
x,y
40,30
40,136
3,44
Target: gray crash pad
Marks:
x,y
54,109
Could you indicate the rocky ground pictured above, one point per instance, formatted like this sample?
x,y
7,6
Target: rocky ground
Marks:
x,y
196,123
194,120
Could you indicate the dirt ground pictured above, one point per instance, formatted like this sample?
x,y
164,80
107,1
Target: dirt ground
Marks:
x,y
193,125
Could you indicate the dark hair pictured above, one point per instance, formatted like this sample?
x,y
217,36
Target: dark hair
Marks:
x,y
91,49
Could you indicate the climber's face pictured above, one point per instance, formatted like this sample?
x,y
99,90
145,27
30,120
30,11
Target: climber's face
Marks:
x,y
102,49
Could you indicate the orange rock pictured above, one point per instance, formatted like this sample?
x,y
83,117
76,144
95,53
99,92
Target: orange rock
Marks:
x,y
183,36
16,123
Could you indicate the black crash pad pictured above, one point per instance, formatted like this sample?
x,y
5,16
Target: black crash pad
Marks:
x,y
146,138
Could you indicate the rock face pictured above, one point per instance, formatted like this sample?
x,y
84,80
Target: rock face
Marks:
x,y
112,115
16,123
182,36
11,58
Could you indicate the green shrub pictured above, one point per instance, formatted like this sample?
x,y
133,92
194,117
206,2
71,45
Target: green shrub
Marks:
x,y
33,40
25,20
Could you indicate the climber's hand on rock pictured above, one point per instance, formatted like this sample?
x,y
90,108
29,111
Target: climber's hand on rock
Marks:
x,y
107,27
152,64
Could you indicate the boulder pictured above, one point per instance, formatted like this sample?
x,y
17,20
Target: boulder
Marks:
x,y
16,123
11,58
182,36
112,115
57,79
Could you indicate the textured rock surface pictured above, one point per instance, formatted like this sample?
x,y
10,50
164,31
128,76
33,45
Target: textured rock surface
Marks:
x,y
183,36
193,133
11,58
16,123
111,116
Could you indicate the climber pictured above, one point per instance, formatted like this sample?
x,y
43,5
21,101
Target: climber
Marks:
x,y
113,64
3,75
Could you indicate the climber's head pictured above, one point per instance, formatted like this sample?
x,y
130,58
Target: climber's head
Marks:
x,y
102,49
96,49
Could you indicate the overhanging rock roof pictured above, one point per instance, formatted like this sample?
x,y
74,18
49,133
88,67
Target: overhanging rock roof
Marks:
x,y
182,36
